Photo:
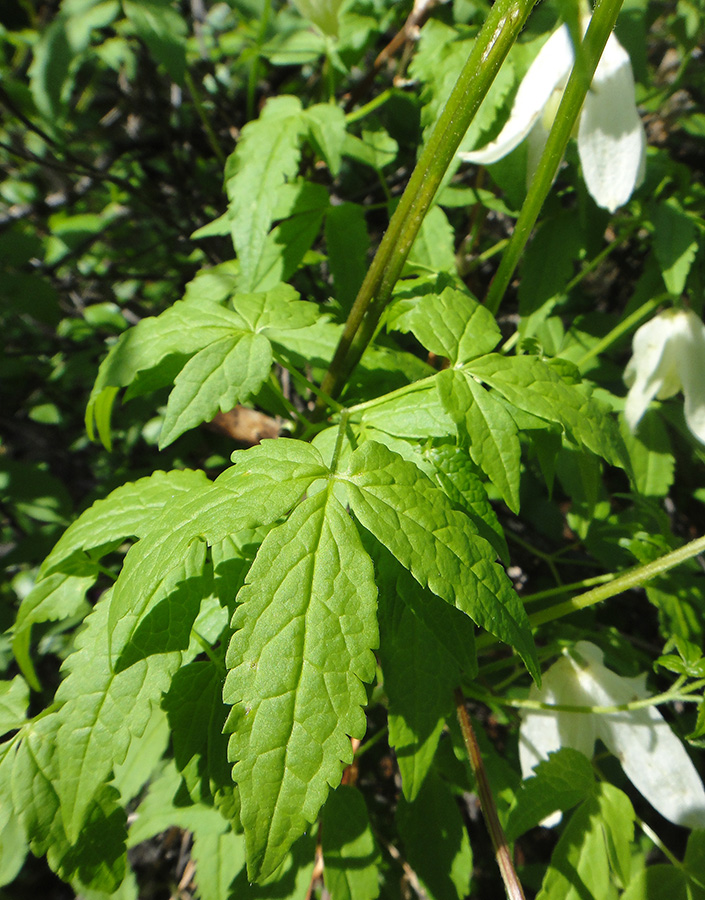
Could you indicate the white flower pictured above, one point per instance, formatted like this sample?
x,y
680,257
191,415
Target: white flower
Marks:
x,y
653,758
668,356
611,138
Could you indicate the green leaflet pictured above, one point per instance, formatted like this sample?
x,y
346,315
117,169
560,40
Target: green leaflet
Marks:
x,y
327,132
662,882
592,849
451,324
102,708
14,700
433,250
451,627
675,243
268,154
306,627
435,841
96,858
160,809
13,849
347,242
456,474
128,511
404,510
163,30
543,286
218,858
650,454
194,705
143,757
533,386
350,855
419,678
54,598
487,429
216,379
561,781
263,485
416,413
216,356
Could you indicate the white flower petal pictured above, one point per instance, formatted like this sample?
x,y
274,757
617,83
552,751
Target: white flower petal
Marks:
x,y
668,355
653,758
544,731
691,371
548,71
650,372
657,764
611,138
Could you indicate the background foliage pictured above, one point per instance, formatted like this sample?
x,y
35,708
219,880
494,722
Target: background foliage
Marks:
x,y
159,158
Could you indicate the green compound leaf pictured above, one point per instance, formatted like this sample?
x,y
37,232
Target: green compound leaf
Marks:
x,y
537,388
414,519
350,855
267,153
306,626
487,429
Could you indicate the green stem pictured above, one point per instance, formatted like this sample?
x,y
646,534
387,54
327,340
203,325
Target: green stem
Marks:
x,y
512,885
253,75
632,579
636,578
370,107
656,700
592,264
375,739
306,384
657,842
623,328
205,121
502,26
567,588
587,57
342,425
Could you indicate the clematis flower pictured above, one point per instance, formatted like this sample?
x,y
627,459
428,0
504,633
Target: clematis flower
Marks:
x,y
653,758
611,138
668,356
